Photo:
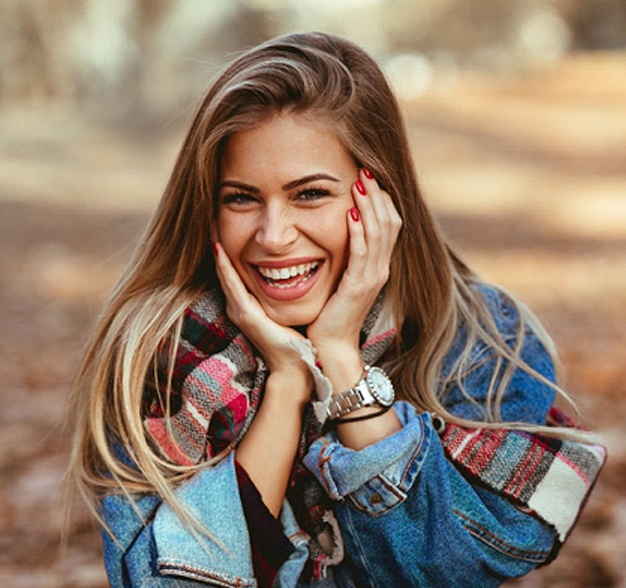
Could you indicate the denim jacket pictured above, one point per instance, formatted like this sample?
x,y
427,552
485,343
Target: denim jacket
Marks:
x,y
406,514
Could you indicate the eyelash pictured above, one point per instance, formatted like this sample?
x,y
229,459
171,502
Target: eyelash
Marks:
x,y
310,194
237,198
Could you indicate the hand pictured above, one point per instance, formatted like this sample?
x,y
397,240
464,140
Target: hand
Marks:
x,y
271,339
335,332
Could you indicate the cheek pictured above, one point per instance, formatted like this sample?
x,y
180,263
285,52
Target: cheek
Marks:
x,y
341,248
232,236
331,233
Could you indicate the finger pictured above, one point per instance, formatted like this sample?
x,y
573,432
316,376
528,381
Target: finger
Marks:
x,y
374,194
370,224
362,191
386,214
377,212
357,250
226,273
239,302
381,227
382,203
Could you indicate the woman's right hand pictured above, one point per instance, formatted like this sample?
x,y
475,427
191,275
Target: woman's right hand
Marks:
x,y
272,340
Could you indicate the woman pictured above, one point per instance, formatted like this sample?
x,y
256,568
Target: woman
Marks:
x,y
230,429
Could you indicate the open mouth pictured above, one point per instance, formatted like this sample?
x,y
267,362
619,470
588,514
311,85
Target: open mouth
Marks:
x,y
288,277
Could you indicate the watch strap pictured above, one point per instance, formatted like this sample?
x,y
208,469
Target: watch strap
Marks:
x,y
345,403
356,397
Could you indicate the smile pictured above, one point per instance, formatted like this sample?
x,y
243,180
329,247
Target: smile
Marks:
x,y
288,277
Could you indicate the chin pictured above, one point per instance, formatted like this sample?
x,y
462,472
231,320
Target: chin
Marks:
x,y
293,317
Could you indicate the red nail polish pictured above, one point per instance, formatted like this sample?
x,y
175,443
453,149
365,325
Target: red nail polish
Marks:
x,y
354,213
368,173
360,187
215,249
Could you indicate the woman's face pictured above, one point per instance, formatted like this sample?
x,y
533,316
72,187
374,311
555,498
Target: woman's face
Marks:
x,y
284,196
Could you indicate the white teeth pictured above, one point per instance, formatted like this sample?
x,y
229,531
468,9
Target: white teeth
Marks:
x,y
287,272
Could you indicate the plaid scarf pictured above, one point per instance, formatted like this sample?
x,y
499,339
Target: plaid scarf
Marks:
x,y
217,385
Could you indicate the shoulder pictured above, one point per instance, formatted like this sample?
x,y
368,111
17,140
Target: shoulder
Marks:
x,y
512,351
506,318
491,311
503,308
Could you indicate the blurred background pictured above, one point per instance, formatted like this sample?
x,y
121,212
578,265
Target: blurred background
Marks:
x,y
516,111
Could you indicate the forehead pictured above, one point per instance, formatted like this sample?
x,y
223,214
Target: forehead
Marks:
x,y
284,144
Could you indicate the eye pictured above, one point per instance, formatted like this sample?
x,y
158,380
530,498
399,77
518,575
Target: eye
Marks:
x,y
238,198
312,194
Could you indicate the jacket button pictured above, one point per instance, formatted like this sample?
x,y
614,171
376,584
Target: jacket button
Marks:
x,y
376,498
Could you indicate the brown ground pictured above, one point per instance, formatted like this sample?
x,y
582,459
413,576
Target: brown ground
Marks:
x,y
528,176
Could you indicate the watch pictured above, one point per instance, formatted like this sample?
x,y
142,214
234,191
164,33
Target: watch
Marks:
x,y
374,388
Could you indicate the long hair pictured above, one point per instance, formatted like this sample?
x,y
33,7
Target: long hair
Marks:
x,y
432,290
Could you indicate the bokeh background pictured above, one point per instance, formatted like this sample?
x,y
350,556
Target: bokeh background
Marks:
x,y
517,115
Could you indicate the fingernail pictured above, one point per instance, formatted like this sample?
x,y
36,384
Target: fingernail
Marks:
x,y
360,187
354,213
368,173
215,249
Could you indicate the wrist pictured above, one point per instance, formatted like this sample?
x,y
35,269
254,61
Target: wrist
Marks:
x,y
289,389
343,367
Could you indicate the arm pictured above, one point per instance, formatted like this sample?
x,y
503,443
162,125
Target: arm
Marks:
x,y
335,333
409,517
269,447
415,511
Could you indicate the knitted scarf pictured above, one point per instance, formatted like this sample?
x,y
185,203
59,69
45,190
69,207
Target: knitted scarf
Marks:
x,y
217,385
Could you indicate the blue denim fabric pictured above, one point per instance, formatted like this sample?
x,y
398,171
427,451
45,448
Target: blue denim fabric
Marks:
x,y
160,551
407,516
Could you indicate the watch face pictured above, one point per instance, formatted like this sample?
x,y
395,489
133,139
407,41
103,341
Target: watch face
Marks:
x,y
380,386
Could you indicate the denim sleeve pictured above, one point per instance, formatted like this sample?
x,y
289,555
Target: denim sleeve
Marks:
x,y
153,548
409,518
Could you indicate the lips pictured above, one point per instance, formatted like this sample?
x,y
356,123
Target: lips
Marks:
x,y
287,282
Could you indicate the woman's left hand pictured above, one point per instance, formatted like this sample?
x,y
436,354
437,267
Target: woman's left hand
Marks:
x,y
373,232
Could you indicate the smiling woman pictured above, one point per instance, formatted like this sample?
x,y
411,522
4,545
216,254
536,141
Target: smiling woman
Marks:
x,y
297,382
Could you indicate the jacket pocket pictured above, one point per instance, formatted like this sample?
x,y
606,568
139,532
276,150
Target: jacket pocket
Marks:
x,y
500,525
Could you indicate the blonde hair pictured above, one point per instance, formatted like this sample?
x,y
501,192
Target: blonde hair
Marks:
x,y
433,291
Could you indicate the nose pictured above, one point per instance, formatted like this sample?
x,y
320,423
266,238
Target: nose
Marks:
x,y
277,230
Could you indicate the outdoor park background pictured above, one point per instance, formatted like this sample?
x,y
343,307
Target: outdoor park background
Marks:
x,y
517,115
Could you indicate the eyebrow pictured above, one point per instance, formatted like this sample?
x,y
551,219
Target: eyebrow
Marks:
x,y
307,179
288,186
